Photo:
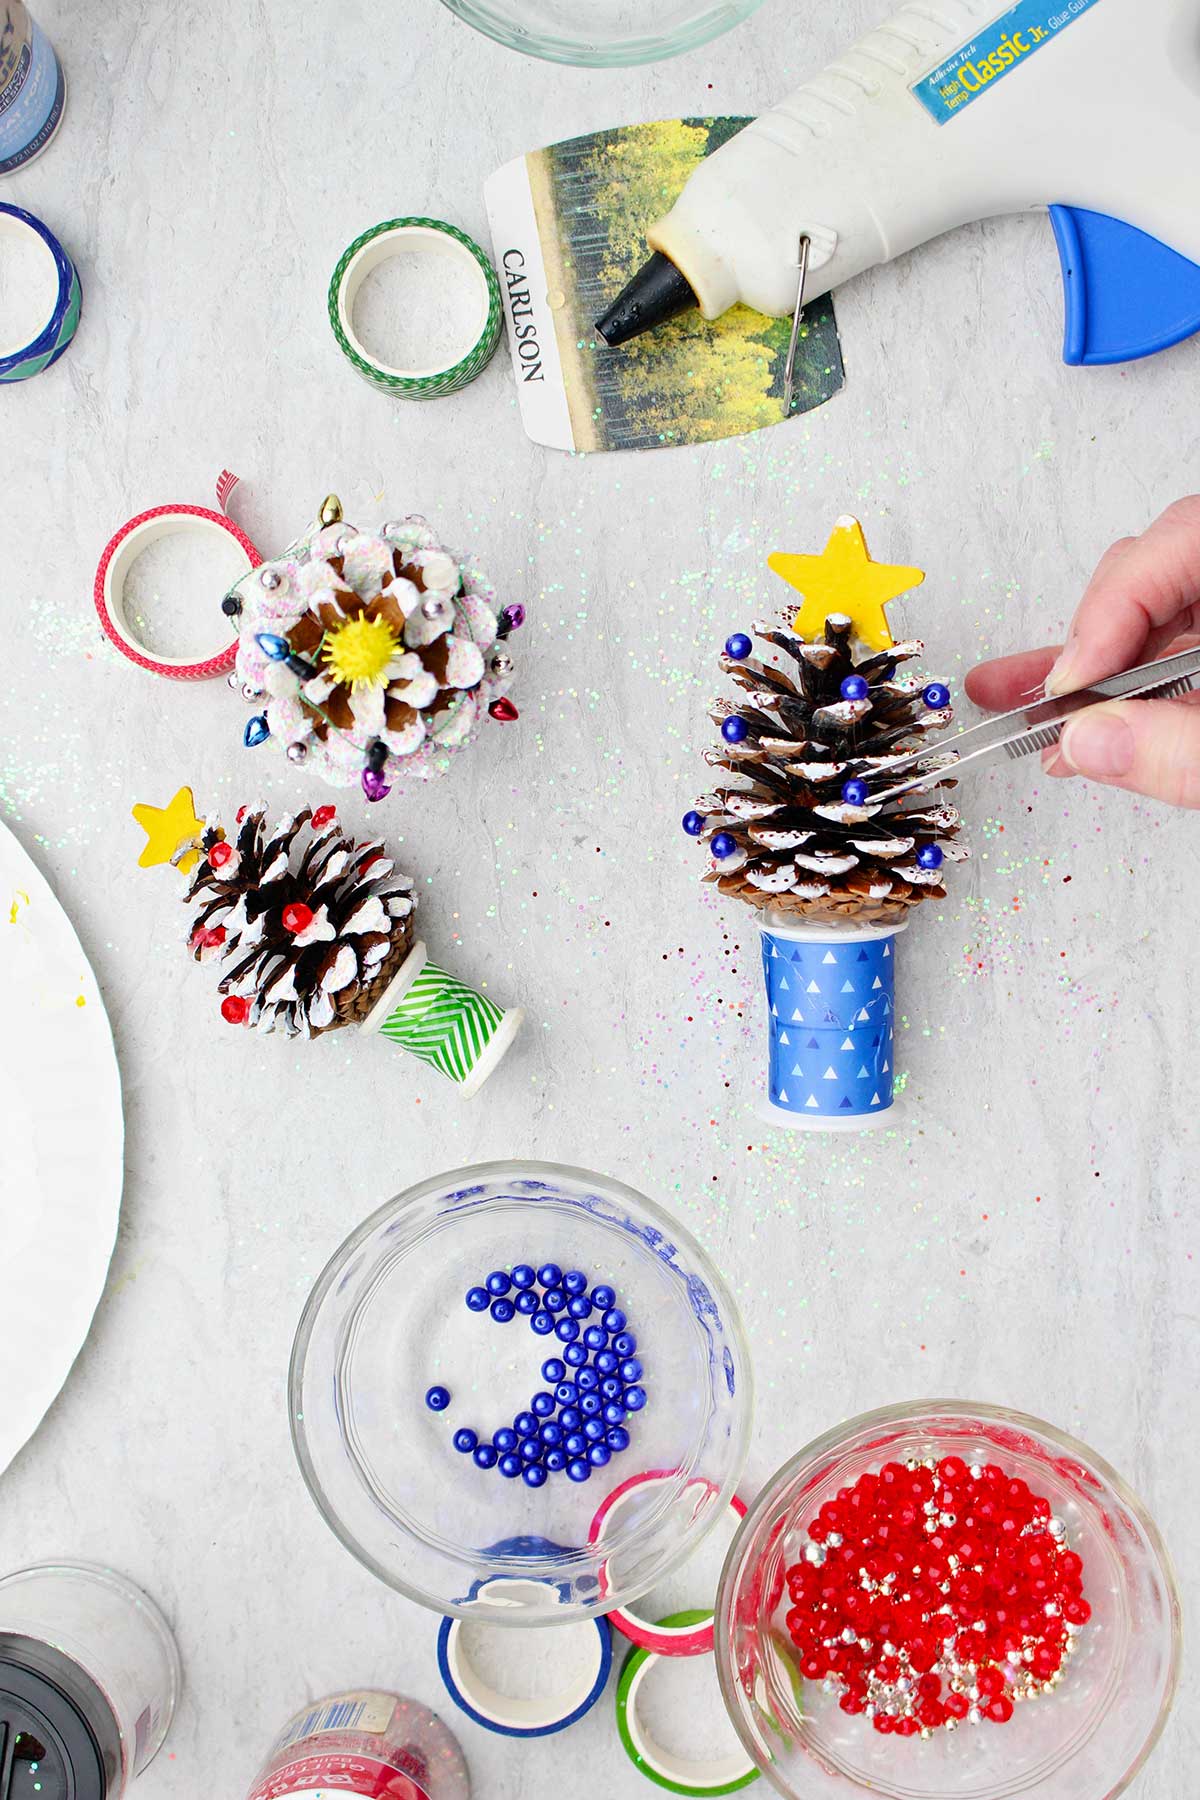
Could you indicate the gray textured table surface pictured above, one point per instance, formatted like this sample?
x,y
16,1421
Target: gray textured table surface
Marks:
x,y
1023,1236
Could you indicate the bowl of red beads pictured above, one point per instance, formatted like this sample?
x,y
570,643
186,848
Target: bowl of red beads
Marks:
x,y
948,1601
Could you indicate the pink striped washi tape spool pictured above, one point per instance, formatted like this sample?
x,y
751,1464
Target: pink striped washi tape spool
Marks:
x,y
123,549
665,1640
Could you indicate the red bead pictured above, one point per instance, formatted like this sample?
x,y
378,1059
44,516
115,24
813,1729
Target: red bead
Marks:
x,y
812,1667
931,1713
852,1701
241,813
929,1687
1070,1564
504,710
297,917
957,1706
323,815
220,854
990,1682
952,1469
884,1722
235,1010
1077,1612
907,1727
1000,1710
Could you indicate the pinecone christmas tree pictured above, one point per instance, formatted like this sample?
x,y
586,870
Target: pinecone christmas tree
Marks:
x,y
820,733
308,926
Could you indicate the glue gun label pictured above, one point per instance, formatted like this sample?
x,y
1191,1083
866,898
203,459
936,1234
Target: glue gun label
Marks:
x,y
1003,46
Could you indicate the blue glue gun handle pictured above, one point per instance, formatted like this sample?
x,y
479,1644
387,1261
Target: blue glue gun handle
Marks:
x,y
1125,294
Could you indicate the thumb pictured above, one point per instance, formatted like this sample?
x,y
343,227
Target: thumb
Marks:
x,y
1147,746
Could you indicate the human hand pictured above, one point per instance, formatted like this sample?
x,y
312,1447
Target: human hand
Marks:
x,y
1143,601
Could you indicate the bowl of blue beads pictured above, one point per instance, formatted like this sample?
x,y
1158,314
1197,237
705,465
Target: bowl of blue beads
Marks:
x,y
490,1356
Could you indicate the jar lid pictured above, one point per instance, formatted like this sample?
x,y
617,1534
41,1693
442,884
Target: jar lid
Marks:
x,y
49,1725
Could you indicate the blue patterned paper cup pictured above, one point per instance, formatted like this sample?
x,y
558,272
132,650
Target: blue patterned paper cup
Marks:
x,y
438,1018
830,1006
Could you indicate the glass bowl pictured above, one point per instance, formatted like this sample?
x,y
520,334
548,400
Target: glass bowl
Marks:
x,y
387,1320
603,33
1084,1741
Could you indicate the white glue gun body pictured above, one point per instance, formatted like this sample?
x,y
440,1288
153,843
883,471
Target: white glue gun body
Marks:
x,y
951,112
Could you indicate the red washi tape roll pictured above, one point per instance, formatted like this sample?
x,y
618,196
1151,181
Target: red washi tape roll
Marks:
x,y
664,1640
123,549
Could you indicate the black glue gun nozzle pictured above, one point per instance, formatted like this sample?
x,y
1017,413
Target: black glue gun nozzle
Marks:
x,y
657,292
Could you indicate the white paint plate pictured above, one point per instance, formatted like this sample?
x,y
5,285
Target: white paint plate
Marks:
x,y
61,1147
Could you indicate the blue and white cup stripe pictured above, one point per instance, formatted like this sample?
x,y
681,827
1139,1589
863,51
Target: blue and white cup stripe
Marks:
x,y
830,1016
64,298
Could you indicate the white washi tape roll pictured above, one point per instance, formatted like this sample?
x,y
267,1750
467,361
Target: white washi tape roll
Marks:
x,y
503,1713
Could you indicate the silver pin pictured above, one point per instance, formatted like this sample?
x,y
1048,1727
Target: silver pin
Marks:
x,y
789,371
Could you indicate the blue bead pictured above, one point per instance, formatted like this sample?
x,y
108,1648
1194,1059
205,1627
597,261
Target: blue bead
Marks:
x,y
524,1275
566,1393
693,823
486,1456
617,1438
477,1299
554,1300
502,1311
553,1370
930,856
738,646
510,1467
575,1356
855,792
614,1414
498,1282
542,1323
603,1297
598,1455
608,1362
734,729
275,649
855,687
611,1388
594,1430
722,845
579,1470
595,1337
549,1275
534,1476
551,1433
570,1418
525,1424
575,1444
531,1450
437,1399
635,1399
614,1319
590,1405
579,1306
554,1460
567,1330
936,695
505,1438
575,1281
526,1302
587,1381
542,1405
465,1440
257,731
624,1343
631,1370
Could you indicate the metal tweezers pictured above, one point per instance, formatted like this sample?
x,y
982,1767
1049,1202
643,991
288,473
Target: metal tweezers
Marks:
x,y
1040,723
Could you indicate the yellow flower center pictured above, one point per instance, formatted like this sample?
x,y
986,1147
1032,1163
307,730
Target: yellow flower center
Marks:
x,y
359,651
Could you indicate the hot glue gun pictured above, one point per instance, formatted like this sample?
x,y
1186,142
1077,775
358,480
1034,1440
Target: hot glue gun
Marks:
x,y
949,113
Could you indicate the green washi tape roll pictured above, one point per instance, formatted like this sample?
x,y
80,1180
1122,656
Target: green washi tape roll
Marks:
x,y
438,1018
720,1775
464,261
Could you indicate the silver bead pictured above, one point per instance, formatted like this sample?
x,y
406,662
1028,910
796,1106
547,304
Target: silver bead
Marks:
x,y
501,663
433,610
975,1471
233,679
271,579
250,692
849,1636
815,1554
1056,1528
975,1717
834,1540
297,752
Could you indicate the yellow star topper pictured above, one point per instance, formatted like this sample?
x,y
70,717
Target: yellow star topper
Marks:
x,y
843,579
166,828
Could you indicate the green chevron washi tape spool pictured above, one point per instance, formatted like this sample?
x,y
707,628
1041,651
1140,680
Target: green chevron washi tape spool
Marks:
x,y
434,1016
462,262
50,293
678,1774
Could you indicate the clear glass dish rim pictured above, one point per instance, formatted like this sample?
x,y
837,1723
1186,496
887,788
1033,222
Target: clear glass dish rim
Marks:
x,y
915,1412
500,1170
720,16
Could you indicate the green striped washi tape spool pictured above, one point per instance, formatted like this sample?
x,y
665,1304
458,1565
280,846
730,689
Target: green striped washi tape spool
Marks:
x,y
721,1775
464,259
436,1017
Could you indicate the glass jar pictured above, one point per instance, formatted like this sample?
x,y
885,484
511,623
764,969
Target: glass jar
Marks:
x,y
89,1681
376,1745
602,33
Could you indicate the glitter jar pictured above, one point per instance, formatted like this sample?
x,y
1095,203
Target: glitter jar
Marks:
x,y
376,1745
32,89
89,1680
1085,1740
